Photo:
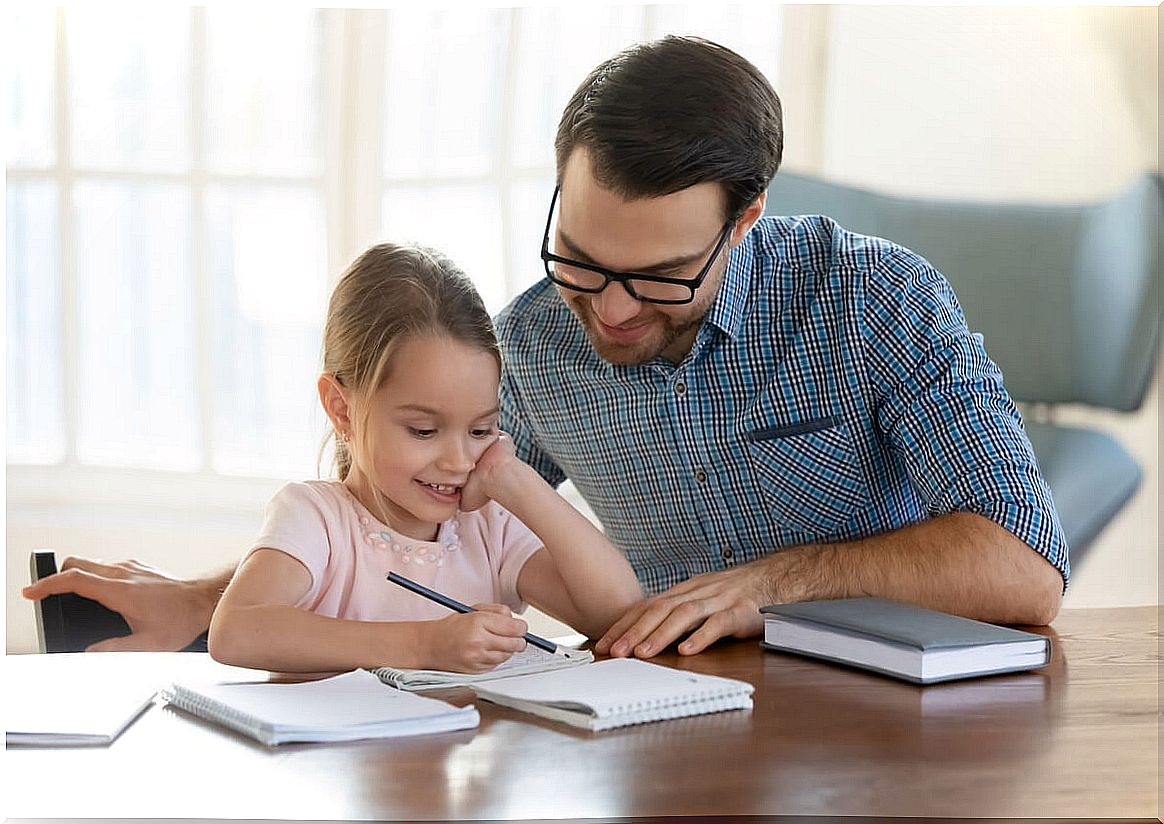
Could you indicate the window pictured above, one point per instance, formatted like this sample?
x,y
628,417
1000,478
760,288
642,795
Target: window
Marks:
x,y
181,193
167,249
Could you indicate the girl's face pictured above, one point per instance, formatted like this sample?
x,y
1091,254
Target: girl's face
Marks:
x,y
427,426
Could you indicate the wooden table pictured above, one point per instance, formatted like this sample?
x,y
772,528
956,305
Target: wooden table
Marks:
x,y
1076,739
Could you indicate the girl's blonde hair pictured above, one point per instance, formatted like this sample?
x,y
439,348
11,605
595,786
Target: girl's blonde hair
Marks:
x,y
392,294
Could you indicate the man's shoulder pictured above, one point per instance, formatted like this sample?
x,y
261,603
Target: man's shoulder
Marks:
x,y
813,255
819,243
538,313
538,299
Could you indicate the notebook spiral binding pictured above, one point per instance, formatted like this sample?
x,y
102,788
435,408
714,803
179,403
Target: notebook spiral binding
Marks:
x,y
215,711
646,711
718,699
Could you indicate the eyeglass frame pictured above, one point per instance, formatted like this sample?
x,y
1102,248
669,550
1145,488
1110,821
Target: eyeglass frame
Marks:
x,y
626,278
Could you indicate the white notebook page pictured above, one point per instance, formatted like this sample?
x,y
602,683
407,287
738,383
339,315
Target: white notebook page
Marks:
x,y
615,685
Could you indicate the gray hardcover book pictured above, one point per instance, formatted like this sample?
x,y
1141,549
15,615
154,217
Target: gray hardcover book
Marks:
x,y
902,640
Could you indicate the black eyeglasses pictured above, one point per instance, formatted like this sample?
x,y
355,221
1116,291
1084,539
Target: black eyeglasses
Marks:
x,y
586,277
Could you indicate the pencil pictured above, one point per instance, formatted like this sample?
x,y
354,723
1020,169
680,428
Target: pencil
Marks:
x,y
457,606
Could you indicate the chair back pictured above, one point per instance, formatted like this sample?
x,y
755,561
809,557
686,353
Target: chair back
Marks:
x,y
1067,297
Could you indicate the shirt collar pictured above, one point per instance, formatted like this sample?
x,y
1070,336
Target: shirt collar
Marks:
x,y
727,311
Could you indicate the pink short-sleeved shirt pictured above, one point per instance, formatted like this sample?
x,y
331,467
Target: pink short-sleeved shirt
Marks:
x,y
476,558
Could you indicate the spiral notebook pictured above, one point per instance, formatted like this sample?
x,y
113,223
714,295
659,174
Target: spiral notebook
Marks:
x,y
529,660
346,707
617,692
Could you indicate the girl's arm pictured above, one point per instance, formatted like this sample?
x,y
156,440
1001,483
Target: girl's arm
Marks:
x,y
581,578
255,625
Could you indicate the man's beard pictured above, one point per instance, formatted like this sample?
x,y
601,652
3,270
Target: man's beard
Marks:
x,y
664,332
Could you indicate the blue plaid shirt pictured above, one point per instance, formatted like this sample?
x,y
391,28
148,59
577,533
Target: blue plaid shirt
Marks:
x,y
833,392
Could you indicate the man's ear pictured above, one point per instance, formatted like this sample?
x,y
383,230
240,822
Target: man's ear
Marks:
x,y
748,219
334,399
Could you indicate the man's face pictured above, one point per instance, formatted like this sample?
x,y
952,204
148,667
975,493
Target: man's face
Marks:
x,y
669,236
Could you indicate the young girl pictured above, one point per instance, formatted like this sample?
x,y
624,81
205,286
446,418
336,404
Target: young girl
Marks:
x,y
427,488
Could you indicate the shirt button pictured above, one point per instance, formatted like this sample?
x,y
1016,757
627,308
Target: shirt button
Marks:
x,y
700,475
727,554
680,388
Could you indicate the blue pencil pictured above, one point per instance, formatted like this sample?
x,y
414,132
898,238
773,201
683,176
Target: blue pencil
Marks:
x,y
457,606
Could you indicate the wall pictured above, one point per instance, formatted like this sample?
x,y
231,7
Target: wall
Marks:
x,y
1017,103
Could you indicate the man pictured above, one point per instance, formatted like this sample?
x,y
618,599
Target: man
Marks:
x,y
818,392
757,409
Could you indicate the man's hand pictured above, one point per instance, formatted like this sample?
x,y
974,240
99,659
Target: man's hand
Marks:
x,y
163,612
715,605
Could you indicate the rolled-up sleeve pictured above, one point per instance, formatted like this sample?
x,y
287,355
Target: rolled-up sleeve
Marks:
x,y
944,410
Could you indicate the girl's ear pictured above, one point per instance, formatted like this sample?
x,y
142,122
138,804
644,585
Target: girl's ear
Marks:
x,y
334,399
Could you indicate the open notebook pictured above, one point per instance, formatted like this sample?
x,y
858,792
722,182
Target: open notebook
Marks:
x,y
616,693
529,660
346,707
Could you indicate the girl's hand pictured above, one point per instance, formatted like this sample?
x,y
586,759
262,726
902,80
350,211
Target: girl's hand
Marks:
x,y
475,641
494,469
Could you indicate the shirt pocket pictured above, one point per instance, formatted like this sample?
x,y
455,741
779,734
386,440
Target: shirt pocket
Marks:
x,y
808,474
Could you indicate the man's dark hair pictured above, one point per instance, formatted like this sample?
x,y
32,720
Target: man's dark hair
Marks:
x,y
660,117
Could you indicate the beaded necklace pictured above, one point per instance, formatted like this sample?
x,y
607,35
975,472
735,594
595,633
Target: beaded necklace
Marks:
x,y
409,550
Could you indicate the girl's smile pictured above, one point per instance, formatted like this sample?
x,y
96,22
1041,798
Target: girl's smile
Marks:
x,y
443,492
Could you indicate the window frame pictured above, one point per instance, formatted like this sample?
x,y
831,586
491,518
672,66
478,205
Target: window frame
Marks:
x,y
353,183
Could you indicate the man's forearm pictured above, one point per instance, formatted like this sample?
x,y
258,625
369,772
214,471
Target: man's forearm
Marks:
x,y
959,563
209,590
